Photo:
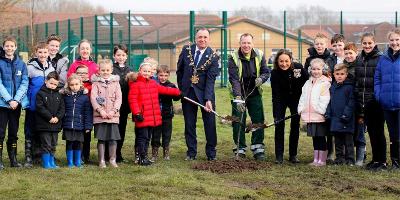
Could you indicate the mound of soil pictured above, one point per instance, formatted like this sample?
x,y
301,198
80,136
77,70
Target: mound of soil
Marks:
x,y
228,166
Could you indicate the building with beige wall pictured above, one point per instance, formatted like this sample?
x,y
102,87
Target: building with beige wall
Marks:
x,y
162,36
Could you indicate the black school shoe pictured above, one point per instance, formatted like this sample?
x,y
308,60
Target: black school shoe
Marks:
x,y
279,160
294,159
190,158
378,166
395,166
370,165
339,161
211,158
144,162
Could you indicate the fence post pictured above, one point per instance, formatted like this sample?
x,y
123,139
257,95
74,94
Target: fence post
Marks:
x,y
284,29
69,39
341,23
300,48
264,49
225,49
81,23
18,40
120,36
158,45
129,38
57,28
36,36
27,37
192,23
111,34
96,52
221,55
46,28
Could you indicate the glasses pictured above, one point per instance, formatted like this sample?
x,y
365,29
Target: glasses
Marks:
x,y
81,73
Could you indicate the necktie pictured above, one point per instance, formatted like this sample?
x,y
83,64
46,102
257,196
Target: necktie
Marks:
x,y
196,59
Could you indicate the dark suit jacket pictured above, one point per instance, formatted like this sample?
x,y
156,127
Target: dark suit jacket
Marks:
x,y
204,89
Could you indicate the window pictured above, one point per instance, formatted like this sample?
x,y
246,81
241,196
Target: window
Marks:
x,y
105,21
138,21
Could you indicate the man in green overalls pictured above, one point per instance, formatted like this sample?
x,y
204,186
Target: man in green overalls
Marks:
x,y
247,72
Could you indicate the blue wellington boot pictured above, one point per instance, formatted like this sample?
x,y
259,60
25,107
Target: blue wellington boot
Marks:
x,y
77,158
70,158
46,161
52,162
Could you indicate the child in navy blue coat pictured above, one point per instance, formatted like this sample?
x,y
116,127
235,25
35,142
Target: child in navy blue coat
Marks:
x,y
340,111
78,118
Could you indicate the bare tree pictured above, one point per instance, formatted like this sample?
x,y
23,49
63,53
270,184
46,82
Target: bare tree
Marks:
x,y
65,6
6,13
295,17
6,4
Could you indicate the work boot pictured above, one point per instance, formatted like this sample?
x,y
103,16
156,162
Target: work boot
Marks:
x,y
28,154
259,157
166,153
101,149
360,152
1,156
112,152
12,154
154,154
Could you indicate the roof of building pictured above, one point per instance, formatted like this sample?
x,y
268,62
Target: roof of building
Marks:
x,y
168,29
352,32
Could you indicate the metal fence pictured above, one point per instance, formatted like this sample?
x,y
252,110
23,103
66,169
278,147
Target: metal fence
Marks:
x,y
162,35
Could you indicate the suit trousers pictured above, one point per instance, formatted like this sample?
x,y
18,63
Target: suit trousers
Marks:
x,y
190,117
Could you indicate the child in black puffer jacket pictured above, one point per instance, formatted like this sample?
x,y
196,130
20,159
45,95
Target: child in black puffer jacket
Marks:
x,y
167,113
49,114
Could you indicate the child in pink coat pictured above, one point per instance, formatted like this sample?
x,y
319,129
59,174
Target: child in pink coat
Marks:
x,y
106,99
312,106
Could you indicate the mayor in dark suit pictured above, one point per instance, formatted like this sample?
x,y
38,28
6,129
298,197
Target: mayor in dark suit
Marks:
x,y
197,69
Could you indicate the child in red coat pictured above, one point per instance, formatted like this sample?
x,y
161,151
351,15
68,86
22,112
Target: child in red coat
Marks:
x,y
145,107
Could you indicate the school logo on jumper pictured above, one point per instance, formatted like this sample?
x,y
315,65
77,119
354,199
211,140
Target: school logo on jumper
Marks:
x,y
100,100
297,73
19,73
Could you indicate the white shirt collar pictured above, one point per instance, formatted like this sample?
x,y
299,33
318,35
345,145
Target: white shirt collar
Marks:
x,y
201,50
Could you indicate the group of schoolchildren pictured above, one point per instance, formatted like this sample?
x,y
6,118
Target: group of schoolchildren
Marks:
x,y
76,98
349,93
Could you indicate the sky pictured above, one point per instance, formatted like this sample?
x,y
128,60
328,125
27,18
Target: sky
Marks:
x,y
231,5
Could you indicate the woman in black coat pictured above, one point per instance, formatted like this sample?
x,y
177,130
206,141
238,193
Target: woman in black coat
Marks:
x,y
368,109
287,79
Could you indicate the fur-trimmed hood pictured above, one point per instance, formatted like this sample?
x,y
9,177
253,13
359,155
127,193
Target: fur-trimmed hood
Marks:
x,y
67,91
132,76
98,78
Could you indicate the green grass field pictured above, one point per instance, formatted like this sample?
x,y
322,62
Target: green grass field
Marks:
x,y
175,179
